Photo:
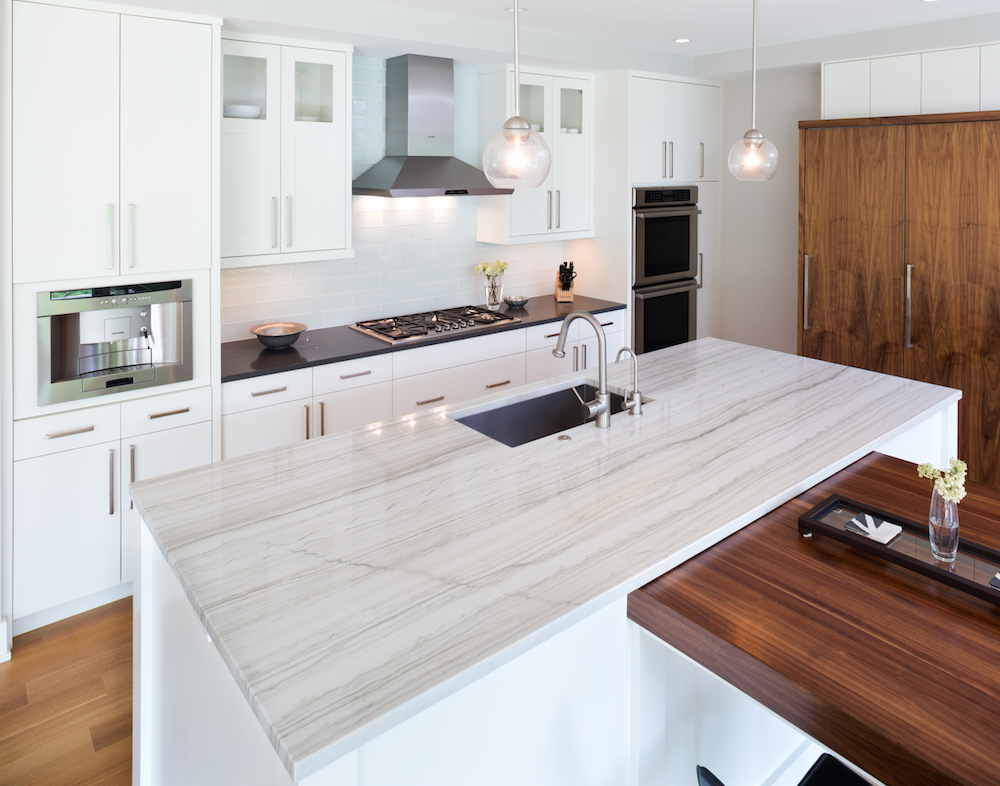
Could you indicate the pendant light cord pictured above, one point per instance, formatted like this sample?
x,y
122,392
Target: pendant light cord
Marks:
x,y
517,71
753,67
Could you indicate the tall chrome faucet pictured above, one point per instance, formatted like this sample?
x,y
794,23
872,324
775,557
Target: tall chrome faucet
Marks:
x,y
600,407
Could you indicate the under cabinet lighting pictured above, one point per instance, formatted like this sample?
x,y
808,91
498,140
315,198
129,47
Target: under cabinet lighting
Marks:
x,y
682,40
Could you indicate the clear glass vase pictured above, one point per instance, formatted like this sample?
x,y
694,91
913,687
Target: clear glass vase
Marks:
x,y
943,528
494,292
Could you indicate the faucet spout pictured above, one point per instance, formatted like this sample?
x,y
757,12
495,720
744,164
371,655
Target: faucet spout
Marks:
x,y
601,405
633,402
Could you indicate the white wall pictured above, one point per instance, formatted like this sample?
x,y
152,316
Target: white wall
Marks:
x,y
412,254
760,230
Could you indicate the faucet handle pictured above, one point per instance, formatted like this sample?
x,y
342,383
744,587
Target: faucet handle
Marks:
x,y
633,403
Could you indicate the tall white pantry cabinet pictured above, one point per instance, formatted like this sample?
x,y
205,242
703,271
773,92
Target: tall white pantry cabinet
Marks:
x,y
109,175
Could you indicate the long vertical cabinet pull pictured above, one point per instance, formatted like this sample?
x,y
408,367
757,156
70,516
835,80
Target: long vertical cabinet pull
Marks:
x,y
322,419
550,210
111,482
702,170
274,205
805,293
131,472
307,421
131,235
111,237
289,243
909,306
584,368
558,210
663,161
576,358
671,159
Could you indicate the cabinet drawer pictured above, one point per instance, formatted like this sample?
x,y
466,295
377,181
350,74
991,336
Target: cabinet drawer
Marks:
x,y
159,413
544,336
450,386
350,374
350,409
456,353
265,428
266,391
66,430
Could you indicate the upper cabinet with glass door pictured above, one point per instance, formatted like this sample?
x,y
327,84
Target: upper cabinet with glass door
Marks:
x,y
112,143
286,151
558,107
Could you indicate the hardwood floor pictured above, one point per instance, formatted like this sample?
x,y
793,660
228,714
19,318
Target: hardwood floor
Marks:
x,y
66,702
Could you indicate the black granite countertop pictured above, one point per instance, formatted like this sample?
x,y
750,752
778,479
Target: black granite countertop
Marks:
x,y
245,359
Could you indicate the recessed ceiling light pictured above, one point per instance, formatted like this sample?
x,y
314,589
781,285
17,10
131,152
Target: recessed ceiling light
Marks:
x,y
682,40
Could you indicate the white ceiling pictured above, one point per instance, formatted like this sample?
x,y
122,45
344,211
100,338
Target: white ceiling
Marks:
x,y
712,25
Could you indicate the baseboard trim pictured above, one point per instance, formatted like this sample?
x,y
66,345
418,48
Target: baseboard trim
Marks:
x,y
47,616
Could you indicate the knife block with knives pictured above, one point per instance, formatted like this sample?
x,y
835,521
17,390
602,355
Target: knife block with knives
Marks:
x,y
564,283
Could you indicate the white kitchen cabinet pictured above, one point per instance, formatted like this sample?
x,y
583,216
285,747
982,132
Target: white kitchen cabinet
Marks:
x,y
989,77
676,129
950,81
72,532
559,106
581,346
895,86
267,427
352,394
112,143
847,89
67,526
709,299
286,187
451,385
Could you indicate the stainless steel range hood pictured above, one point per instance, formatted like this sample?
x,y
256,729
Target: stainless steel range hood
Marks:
x,y
420,135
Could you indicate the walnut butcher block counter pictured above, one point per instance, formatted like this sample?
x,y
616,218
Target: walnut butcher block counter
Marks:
x,y
352,582
897,673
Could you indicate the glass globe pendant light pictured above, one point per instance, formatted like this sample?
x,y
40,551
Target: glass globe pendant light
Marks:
x,y
753,157
516,156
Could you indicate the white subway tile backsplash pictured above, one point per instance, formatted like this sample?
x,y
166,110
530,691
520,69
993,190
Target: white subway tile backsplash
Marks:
x,y
411,254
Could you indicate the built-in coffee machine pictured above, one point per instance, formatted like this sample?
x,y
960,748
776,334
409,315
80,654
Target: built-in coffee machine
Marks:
x,y
100,340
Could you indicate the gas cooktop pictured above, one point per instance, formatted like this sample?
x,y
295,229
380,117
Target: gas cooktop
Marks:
x,y
428,324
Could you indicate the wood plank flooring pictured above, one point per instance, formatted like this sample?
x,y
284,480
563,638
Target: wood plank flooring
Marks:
x,y
66,702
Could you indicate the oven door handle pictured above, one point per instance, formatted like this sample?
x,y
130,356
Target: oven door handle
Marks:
x,y
687,285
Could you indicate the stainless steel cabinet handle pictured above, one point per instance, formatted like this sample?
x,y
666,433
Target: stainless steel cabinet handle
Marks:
x,y
322,419
59,434
550,210
131,472
663,160
307,421
498,384
111,482
576,358
671,159
111,237
701,270
909,306
168,414
289,243
558,210
552,335
282,389
805,293
131,235
702,159
607,324
274,206
584,356
359,374
430,401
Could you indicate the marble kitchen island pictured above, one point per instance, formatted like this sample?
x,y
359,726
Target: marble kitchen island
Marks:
x,y
414,602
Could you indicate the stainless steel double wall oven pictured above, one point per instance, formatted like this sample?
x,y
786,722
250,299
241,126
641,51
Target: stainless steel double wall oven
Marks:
x,y
666,270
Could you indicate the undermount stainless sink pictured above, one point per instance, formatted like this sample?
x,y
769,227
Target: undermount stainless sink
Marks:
x,y
525,421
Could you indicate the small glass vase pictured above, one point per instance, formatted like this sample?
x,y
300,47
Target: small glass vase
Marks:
x,y
943,528
494,292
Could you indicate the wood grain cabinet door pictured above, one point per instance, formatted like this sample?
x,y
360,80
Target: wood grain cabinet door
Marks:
x,y
953,244
852,213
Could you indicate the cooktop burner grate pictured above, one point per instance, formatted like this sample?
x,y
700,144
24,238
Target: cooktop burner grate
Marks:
x,y
413,327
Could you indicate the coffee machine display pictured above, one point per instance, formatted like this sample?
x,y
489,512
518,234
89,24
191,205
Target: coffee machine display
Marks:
x,y
98,340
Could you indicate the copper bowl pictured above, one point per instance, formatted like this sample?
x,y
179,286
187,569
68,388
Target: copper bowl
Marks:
x,y
278,335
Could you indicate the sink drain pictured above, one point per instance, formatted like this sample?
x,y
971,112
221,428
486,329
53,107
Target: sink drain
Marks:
x,y
565,437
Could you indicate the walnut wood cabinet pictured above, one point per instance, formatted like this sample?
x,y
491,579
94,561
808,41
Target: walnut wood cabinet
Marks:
x,y
899,271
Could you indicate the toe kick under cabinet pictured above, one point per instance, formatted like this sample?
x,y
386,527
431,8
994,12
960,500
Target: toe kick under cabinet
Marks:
x,y
72,528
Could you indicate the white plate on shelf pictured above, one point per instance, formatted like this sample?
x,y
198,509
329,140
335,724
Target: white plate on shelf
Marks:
x,y
245,111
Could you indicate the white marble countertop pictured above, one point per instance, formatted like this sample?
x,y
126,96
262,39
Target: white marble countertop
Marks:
x,y
351,581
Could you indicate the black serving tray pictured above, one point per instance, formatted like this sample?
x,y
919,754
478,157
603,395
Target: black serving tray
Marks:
x,y
971,572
